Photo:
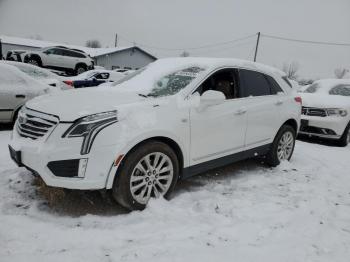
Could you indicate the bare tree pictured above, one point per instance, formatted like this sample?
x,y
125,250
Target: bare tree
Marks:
x,y
185,54
340,72
35,37
93,43
291,69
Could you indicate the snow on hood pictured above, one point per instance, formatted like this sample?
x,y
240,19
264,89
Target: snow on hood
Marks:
x,y
73,104
325,100
322,99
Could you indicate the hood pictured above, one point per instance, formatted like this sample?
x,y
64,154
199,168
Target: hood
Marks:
x,y
73,104
325,101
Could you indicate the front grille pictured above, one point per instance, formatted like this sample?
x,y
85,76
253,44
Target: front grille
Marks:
x,y
33,124
313,111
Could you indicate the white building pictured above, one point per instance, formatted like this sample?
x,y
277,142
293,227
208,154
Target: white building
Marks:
x,y
129,57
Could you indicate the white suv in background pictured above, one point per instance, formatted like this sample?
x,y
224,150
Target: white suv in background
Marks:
x,y
170,120
60,58
326,110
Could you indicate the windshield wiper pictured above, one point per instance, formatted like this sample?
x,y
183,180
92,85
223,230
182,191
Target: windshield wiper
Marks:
x,y
142,95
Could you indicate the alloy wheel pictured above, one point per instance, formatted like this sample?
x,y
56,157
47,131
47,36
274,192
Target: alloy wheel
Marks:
x,y
151,177
80,70
33,62
285,146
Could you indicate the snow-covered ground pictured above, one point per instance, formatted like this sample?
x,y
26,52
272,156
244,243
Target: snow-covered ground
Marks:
x,y
299,211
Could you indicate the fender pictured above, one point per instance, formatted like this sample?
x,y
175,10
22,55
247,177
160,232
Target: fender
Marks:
x,y
143,137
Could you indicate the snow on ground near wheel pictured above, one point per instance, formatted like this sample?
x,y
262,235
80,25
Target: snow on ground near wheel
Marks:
x,y
299,211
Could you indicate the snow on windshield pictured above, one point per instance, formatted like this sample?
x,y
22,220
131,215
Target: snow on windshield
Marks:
x,y
161,78
33,72
87,74
174,82
330,87
12,77
341,90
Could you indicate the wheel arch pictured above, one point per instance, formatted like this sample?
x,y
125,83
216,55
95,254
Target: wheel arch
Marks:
x,y
36,56
15,112
166,140
81,64
293,123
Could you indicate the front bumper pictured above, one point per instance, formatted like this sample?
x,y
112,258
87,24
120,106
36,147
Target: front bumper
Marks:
x,y
55,158
324,127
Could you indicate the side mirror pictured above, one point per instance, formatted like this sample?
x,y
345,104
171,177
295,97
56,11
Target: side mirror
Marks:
x,y
46,52
211,98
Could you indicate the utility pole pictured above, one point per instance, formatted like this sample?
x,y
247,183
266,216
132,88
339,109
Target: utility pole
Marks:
x,y
116,40
257,46
0,50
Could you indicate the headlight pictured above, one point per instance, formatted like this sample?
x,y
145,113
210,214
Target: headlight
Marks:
x,y
336,112
88,127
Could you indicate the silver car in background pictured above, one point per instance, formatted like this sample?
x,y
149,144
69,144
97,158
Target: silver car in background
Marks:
x,y
42,75
16,88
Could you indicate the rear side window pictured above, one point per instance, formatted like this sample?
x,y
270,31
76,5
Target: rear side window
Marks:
x,y
287,81
58,51
254,84
275,87
73,54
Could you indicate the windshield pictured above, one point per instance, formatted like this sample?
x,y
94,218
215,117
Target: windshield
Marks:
x,y
341,90
33,72
129,76
87,74
312,88
173,83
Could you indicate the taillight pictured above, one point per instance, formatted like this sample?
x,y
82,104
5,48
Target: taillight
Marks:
x,y
68,82
298,100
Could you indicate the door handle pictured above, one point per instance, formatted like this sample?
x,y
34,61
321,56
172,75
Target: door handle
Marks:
x,y
279,102
240,111
20,96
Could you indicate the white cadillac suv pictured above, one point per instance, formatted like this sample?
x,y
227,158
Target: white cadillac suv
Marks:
x,y
170,120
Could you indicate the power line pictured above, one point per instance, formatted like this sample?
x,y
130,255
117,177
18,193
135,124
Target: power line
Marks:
x,y
305,41
190,48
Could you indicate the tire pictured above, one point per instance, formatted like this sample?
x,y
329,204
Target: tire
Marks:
x,y
34,61
134,185
282,147
80,69
345,138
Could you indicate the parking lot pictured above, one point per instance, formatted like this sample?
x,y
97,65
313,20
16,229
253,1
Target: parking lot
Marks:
x,y
243,212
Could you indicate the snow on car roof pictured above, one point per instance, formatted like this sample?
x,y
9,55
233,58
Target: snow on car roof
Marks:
x,y
165,66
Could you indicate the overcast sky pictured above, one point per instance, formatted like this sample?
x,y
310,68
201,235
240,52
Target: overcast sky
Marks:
x,y
183,24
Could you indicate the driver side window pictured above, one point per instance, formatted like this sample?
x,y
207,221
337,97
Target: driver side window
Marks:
x,y
225,81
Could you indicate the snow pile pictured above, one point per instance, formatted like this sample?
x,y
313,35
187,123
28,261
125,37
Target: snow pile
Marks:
x,y
299,211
